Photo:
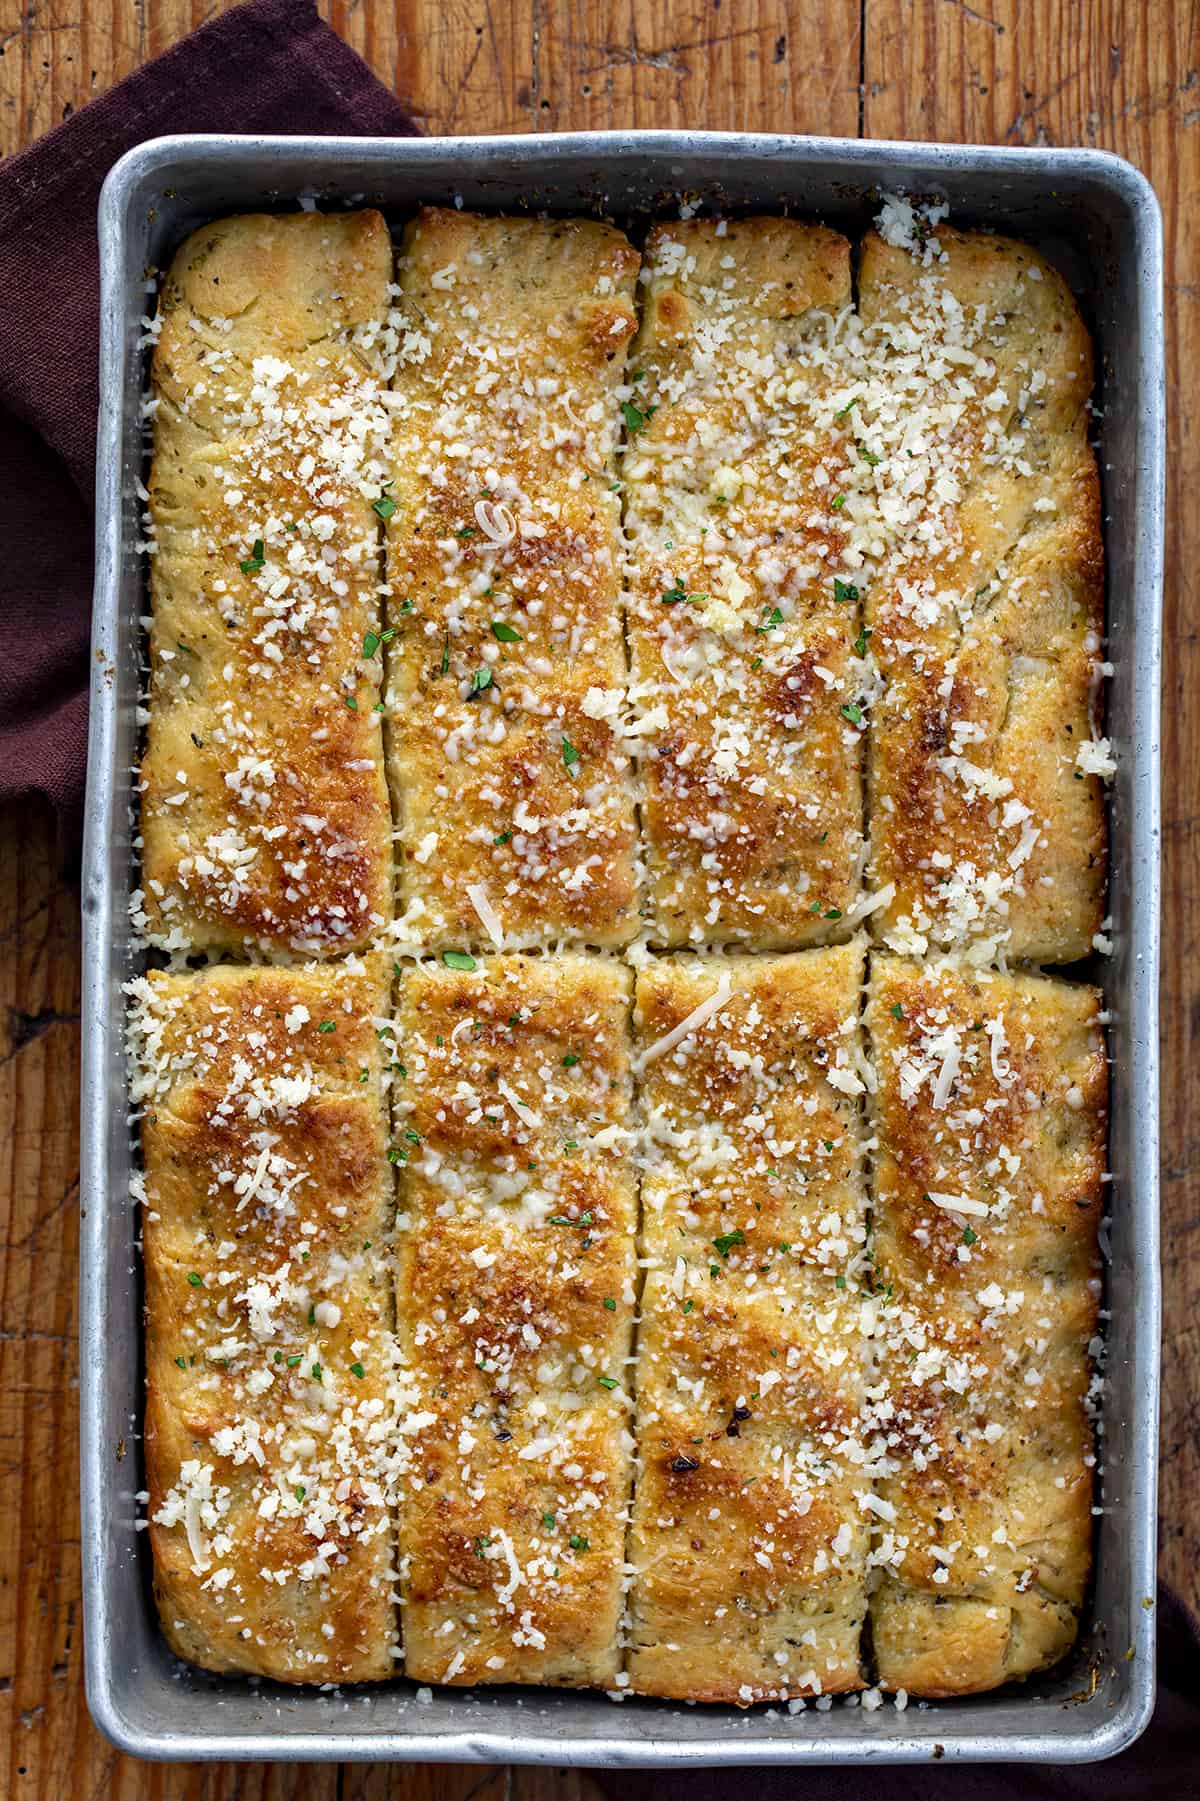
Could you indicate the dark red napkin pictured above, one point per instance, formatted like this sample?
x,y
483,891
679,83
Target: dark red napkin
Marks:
x,y
269,66
1164,1764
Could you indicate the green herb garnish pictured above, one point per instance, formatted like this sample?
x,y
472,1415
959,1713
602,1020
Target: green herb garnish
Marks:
x,y
635,417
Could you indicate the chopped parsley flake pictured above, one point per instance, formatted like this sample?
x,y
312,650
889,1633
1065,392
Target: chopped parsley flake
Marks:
x,y
385,506
458,960
252,564
726,1241
578,1542
970,1236
570,755
506,634
609,1382
570,1060
636,417
481,679
327,1025
844,590
853,713
195,1280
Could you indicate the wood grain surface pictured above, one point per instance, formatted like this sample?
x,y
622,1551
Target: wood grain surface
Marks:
x,y
1120,74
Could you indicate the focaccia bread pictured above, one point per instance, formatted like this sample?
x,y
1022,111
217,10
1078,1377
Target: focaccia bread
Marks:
x,y
269,1308
265,819
515,1305
751,1521
511,777
987,610
987,1202
733,1338
744,641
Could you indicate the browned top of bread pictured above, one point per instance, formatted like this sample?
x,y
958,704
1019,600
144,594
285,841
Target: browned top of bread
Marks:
x,y
264,808
269,1319
516,1305
987,610
749,1541
508,766
991,1117
742,646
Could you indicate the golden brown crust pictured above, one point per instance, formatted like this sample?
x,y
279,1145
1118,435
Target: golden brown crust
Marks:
x,y
264,806
987,621
504,572
988,1167
850,531
268,1319
741,644
749,1541
516,1302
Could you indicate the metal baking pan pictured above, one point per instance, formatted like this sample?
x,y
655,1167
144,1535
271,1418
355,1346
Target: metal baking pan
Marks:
x,y
1097,218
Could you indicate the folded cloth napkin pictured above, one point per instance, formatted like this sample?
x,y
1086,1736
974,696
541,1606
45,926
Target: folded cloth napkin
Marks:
x,y
269,66
1164,1764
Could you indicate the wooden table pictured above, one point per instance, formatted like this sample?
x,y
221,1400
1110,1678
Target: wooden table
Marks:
x,y
1120,74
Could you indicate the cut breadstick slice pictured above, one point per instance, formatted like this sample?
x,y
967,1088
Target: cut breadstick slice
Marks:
x,y
267,1207
987,1203
516,1302
751,1509
510,759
